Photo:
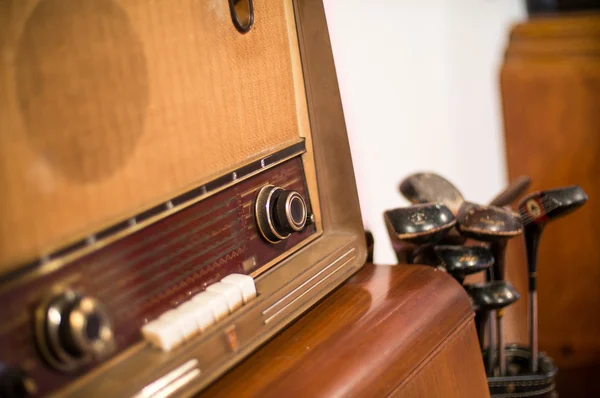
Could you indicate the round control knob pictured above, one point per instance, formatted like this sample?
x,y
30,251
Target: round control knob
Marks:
x,y
290,212
72,330
279,213
15,383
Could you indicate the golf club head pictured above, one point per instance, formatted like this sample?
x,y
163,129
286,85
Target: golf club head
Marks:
x,y
511,193
416,225
431,188
537,209
419,224
488,223
543,206
491,296
460,261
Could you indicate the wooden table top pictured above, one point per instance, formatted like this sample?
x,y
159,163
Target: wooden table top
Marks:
x,y
365,339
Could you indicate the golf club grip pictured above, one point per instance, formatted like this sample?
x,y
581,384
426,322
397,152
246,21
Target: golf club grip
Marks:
x,y
532,235
512,192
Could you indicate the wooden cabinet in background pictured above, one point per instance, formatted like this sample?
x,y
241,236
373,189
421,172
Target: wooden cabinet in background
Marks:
x,y
550,84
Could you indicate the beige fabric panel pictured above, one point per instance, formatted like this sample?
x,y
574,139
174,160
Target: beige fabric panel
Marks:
x,y
108,106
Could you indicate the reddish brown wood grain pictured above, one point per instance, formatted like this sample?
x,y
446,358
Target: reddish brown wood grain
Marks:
x,y
401,330
450,372
550,85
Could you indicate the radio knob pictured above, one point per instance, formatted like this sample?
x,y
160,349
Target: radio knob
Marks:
x,y
72,330
279,213
290,212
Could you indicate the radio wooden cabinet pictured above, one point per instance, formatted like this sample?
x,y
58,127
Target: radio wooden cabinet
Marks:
x,y
402,331
176,187
148,150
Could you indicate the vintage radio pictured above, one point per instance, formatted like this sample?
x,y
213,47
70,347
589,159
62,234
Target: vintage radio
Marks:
x,y
176,187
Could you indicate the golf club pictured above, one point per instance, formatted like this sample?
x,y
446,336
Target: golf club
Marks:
x,y
495,225
460,261
512,192
537,209
412,226
427,187
487,297
431,188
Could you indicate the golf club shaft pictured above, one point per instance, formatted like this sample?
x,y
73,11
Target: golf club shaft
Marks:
x,y
481,319
533,331
422,255
532,238
491,359
512,192
403,251
500,336
498,250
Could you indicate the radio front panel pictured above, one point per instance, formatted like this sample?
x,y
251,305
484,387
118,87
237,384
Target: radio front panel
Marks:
x,y
148,271
167,203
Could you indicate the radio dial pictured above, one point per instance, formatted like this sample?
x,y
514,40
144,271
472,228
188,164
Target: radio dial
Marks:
x,y
72,330
279,213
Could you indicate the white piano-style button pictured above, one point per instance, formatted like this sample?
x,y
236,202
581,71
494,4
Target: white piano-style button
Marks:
x,y
185,325
200,315
216,302
163,332
176,325
245,283
152,333
232,294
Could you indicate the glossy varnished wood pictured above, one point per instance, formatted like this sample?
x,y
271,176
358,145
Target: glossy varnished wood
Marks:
x,y
550,84
401,330
453,372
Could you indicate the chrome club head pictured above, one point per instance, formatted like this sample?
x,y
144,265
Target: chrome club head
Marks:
x,y
431,188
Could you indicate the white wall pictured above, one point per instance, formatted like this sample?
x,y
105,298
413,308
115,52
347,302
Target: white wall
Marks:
x,y
418,81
